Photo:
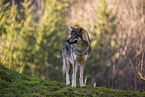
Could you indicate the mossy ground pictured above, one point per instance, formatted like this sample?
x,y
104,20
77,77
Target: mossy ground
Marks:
x,y
16,84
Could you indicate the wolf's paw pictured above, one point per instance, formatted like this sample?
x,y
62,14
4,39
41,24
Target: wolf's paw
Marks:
x,y
82,85
73,86
67,83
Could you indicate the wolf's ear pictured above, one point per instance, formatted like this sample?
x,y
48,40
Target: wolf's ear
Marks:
x,y
72,28
81,29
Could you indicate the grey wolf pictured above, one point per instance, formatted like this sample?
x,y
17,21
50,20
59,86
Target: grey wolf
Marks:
x,y
76,51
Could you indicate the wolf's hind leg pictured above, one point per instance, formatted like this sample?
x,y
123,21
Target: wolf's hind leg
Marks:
x,y
82,66
75,68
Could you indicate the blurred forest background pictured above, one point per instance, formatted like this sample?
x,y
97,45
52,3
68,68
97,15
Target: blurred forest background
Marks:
x,y
33,32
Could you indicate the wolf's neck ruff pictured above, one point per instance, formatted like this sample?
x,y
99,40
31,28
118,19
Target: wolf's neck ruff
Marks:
x,y
79,52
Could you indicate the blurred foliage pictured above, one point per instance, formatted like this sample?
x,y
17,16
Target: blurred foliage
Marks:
x,y
50,39
30,46
102,39
9,34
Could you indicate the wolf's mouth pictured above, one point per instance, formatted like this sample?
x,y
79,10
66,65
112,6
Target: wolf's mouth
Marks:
x,y
73,42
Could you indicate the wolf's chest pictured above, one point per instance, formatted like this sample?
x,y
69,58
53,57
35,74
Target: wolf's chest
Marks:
x,y
80,59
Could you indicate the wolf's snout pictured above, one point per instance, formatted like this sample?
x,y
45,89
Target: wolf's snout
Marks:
x,y
71,40
67,40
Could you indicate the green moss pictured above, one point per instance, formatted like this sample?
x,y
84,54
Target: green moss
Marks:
x,y
14,84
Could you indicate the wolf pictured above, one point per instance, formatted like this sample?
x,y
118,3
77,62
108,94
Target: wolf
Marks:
x,y
76,51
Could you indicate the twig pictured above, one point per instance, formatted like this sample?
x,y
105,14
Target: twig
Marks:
x,y
86,80
142,61
131,63
94,84
141,76
22,68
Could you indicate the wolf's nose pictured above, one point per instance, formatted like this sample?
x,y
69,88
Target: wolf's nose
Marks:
x,y
67,40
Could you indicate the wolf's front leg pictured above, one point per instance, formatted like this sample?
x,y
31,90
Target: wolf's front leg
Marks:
x,y
75,68
81,74
67,75
67,79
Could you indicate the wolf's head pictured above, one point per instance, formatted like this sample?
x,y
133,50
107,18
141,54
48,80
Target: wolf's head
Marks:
x,y
76,35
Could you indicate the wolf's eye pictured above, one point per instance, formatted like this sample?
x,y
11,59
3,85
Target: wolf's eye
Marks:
x,y
74,36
